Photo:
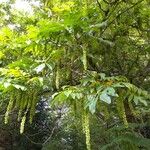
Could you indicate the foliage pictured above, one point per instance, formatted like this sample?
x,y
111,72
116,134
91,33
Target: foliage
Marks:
x,y
90,56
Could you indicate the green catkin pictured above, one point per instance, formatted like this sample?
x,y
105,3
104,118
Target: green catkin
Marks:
x,y
19,114
121,111
85,115
33,105
23,120
57,76
9,108
84,59
75,108
87,132
106,113
83,121
132,110
29,104
21,106
18,96
25,100
86,128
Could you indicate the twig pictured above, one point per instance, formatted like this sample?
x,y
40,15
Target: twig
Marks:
x,y
116,4
106,2
50,135
32,141
120,15
55,125
110,2
104,11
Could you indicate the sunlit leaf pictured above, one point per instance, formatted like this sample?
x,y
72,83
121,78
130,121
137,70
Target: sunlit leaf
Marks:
x,y
40,68
106,98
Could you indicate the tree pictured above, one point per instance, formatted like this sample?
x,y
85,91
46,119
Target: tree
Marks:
x,y
94,59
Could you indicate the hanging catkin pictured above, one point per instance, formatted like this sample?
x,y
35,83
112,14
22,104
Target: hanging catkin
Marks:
x,y
18,95
121,110
132,109
9,107
25,101
29,103
84,59
57,76
33,105
85,115
23,120
21,107
86,128
106,112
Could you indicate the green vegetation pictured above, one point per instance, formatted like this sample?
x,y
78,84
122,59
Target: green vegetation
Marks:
x,y
75,75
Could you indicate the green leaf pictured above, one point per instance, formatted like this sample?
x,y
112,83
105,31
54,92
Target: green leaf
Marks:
x,y
118,85
40,68
130,138
41,81
102,75
73,95
59,98
106,98
130,98
143,101
67,92
111,91
138,99
91,103
79,95
49,66
23,88
7,84
99,25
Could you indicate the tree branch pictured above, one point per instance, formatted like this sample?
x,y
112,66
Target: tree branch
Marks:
x,y
32,141
55,126
120,15
100,7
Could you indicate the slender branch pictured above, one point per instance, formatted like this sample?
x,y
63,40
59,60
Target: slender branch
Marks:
x,y
106,2
116,4
55,126
132,65
50,135
32,135
31,140
100,7
110,2
120,15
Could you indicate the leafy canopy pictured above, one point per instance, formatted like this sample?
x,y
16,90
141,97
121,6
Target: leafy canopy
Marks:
x,y
91,55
